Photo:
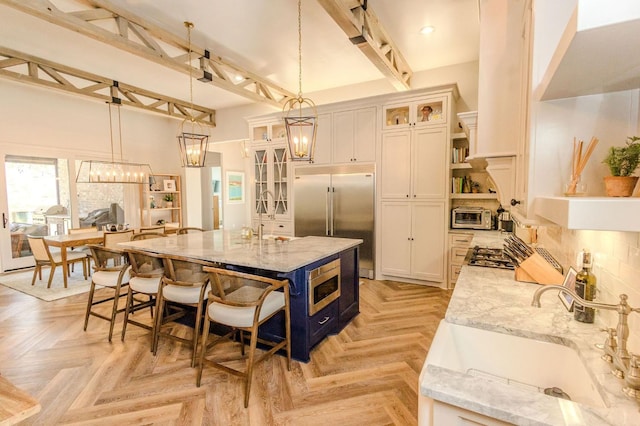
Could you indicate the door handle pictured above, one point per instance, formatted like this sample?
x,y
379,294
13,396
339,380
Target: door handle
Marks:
x,y
4,220
326,213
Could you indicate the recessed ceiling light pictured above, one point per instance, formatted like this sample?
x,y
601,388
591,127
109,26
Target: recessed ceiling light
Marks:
x,y
427,30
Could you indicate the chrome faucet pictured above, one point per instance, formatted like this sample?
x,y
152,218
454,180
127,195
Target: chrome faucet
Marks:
x,y
625,365
271,216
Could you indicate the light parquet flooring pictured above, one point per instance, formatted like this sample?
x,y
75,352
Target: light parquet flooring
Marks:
x,y
365,375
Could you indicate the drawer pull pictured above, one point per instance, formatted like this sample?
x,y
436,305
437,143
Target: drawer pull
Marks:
x,y
324,320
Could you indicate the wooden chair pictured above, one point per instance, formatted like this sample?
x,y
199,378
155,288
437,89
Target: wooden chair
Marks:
x,y
112,238
184,284
147,236
83,249
188,229
82,230
111,270
147,270
154,228
243,302
44,257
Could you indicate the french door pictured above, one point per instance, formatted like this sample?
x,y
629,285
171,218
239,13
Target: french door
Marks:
x,y
36,202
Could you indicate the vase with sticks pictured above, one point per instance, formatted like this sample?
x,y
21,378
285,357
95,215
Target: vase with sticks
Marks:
x,y
575,187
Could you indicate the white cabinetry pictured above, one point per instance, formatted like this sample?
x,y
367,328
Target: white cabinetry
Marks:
x,y
414,187
414,163
459,243
271,173
427,111
267,131
413,241
324,140
354,136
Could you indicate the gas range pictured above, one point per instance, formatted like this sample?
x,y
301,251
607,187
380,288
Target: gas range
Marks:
x,y
488,258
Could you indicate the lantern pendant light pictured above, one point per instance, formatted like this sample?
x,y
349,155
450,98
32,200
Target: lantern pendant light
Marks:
x,y
300,114
192,137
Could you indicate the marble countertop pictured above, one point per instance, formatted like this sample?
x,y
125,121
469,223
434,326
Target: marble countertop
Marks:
x,y
491,299
230,248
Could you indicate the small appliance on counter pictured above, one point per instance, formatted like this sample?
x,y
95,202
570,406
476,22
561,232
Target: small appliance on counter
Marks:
x,y
470,218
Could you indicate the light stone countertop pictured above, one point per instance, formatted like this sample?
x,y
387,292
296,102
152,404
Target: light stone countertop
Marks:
x,y
230,248
491,299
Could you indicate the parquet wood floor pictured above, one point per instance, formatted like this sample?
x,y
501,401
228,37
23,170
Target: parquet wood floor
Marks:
x,y
365,375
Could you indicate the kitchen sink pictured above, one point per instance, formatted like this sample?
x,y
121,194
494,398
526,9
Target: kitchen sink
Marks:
x,y
524,363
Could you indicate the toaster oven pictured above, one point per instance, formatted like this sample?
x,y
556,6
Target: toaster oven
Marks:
x,y
471,218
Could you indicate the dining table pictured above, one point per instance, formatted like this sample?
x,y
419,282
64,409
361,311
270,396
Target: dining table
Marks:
x,y
72,240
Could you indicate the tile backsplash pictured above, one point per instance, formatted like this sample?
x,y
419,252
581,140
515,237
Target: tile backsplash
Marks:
x,y
616,257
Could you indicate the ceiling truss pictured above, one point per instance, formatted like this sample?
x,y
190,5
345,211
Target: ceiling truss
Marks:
x,y
117,27
364,30
24,68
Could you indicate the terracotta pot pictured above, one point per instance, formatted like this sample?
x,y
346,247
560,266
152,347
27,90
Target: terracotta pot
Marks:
x,y
620,186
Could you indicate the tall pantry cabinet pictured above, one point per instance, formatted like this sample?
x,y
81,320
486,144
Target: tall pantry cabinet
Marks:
x,y
414,186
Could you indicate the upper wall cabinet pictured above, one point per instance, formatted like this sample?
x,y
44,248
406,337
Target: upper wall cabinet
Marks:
x,y
423,112
354,136
268,131
324,140
608,33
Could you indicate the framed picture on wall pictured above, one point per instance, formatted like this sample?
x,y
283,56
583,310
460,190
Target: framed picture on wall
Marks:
x,y
169,185
235,187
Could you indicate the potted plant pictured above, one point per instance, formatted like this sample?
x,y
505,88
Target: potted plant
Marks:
x,y
622,162
168,200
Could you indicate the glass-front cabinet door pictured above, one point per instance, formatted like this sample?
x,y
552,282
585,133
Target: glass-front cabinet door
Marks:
x,y
271,181
416,113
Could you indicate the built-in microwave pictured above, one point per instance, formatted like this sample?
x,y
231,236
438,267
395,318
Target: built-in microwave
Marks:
x,y
324,285
471,218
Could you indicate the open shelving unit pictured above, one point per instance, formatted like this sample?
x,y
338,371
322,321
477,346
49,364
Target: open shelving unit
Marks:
x,y
153,207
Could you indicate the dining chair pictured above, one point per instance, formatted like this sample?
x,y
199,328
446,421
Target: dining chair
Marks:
x,y
113,238
83,248
147,235
111,270
184,285
188,229
243,302
44,257
147,270
154,228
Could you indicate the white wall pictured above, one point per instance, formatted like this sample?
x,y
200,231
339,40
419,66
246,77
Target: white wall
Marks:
x,y
41,122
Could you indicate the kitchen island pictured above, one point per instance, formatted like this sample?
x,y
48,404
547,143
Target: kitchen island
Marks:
x,y
293,259
490,299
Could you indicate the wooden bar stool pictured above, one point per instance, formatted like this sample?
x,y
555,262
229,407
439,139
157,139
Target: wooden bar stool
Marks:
x,y
111,270
243,302
185,284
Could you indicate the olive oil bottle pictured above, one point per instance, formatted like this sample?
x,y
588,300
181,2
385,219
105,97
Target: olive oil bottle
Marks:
x,y
585,288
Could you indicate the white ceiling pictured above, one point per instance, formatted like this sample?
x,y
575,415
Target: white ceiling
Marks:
x,y
260,36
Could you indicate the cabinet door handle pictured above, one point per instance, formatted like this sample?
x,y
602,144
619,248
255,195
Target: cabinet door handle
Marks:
x,y
325,319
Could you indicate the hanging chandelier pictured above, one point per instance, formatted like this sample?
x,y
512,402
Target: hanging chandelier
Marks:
x,y
95,171
300,114
193,139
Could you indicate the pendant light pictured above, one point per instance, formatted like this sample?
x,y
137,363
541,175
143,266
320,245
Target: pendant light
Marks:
x,y
92,171
192,137
300,114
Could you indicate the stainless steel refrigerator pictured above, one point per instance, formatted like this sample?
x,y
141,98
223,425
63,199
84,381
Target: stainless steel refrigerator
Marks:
x,y
337,202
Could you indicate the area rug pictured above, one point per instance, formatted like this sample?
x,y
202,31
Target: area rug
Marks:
x,y
21,281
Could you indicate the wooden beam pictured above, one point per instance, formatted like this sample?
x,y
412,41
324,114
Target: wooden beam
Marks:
x,y
147,44
25,68
365,31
